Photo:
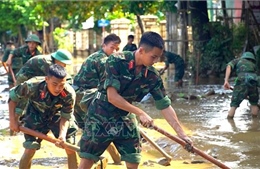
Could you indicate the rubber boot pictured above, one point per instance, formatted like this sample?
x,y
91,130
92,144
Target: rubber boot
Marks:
x,y
114,153
254,110
26,159
231,112
72,160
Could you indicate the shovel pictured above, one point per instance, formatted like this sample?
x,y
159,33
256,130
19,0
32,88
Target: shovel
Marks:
x,y
48,138
192,149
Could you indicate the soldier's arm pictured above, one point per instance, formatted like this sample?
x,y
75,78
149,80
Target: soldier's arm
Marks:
x,y
171,117
15,94
29,70
64,124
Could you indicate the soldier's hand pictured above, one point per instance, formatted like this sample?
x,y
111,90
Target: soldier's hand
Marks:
x,y
60,142
226,86
146,120
189,143
14,126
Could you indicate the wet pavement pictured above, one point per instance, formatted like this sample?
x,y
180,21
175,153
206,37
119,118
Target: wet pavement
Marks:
x,y
235,143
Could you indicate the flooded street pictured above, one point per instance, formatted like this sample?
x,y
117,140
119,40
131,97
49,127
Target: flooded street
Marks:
x,y
202,110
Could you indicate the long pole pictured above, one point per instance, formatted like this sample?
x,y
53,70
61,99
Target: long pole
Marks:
x,y
194,149
48,138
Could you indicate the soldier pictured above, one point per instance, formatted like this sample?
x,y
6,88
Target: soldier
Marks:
x,y
130,46
178,65
39,66
50,108
9,47
20,55
129,77
245,83
88,78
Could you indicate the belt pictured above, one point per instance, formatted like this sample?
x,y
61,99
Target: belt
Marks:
x,y
100,96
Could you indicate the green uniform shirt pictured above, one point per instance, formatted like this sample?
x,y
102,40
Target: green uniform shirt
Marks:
x,y
42,101
131,47
120,74
242,66
91,71
173,58
21,55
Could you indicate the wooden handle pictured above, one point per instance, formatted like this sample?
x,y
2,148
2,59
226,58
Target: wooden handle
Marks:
x,y
12,74
167,156
195,150
48,138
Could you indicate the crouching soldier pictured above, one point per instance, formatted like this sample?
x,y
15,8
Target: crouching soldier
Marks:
x,y
50,108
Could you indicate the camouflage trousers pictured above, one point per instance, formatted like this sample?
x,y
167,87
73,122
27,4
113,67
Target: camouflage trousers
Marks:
x,y
83,99
35,121
98,134
179,73
242,91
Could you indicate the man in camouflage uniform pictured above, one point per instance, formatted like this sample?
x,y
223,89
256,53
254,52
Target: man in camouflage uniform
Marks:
x,y
50,108
130,46
129,77
9,47
178,64
39,66
245,83
87,79
21,55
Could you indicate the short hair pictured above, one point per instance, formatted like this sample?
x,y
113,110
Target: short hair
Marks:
x,y
130,37
150,40
57,71
112,38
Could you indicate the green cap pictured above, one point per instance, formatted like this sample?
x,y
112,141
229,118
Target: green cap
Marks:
x,y
63,56
33,38
248,55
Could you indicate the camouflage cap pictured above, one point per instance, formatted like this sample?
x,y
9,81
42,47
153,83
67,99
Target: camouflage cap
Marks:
x,y
248,55
63,56
33,38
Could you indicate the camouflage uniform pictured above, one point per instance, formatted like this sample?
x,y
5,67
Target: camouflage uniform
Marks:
x,y
86,82
36,66
106,123
131,47
178,64
44,110
20,56
245,83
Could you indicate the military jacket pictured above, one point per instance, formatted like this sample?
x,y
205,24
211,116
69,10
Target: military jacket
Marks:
x,y
42,101
173,58
36,66
131,47
6,54
120,74
242,66
91,71
21,55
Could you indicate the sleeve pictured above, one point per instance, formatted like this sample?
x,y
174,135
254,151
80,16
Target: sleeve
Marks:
x,y
23,90
6,55
158,92
68,106
233,63
112,73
